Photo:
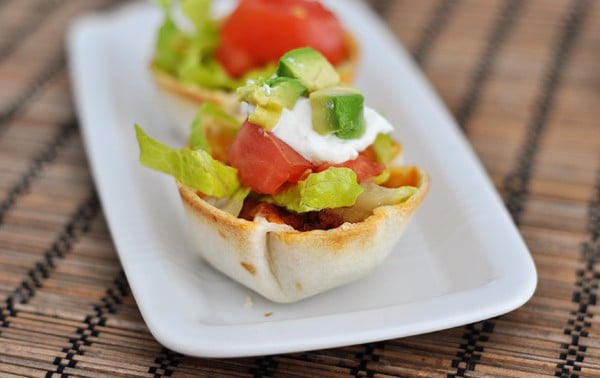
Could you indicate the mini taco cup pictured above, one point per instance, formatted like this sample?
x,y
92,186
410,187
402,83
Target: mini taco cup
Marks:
x,y
286,265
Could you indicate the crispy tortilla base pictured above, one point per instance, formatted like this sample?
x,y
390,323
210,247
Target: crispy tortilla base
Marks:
x,y
286,265
181,101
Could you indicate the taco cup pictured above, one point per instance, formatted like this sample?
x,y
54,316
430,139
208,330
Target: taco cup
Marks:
x,y
306,194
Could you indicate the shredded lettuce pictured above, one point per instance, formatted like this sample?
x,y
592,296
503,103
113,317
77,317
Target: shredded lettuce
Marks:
x,y
383,176
189,56
232,205
374,196
207,73
169,42
198,140
331,188
386,149
235,203
207,30
211,119
334,188
194,168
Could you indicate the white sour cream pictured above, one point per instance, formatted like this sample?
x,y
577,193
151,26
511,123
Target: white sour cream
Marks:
x,y
295,128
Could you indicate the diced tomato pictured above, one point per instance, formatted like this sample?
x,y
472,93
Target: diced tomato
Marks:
x,y
264,162
365,166
261,31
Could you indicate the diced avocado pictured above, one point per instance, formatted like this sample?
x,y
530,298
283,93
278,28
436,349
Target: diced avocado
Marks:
x,y
286,89
310,67
265,117
254,93
338,110
270,97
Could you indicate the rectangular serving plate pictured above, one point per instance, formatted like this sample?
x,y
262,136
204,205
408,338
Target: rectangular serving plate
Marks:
x,y
461,259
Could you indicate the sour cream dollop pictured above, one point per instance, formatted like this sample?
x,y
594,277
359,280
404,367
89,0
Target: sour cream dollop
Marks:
x,y
295,128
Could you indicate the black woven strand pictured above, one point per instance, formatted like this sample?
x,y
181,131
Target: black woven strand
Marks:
x,y
516,183
264,367
594,216
470,352
585,296
32,23
35,167
108,305
502,29
367,355
77,226
47,74
166,362
439,19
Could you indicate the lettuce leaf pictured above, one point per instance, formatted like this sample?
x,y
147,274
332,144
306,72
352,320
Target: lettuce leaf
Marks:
x,y
179,53
210,118
374,196
386,148
236,201
194,168
383,176
331,188
189,57
169,44
232,205
208,73
207,30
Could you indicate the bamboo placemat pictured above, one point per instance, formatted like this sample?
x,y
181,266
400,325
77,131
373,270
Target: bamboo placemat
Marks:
x,y
521,77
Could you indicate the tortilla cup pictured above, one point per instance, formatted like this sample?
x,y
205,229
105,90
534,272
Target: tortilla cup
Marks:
x,y
286,265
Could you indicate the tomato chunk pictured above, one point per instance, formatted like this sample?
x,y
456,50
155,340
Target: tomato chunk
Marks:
x,y
264,162
261,31
365,166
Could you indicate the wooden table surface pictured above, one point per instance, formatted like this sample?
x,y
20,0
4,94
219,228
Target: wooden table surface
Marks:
x,y
521,77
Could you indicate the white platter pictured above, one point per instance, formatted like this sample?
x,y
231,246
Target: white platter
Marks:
x,y
463,259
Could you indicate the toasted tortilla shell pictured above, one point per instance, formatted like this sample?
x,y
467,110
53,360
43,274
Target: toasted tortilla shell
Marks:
x,y
181,100
286,265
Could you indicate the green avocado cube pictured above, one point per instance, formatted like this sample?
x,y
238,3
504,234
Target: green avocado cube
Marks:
x,y
287,90
310,67
338,110
270,97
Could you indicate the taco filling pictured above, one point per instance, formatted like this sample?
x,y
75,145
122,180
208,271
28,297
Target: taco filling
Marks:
x,y
196,49
310,153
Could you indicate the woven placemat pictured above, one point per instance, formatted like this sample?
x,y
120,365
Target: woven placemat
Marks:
x,y
522,78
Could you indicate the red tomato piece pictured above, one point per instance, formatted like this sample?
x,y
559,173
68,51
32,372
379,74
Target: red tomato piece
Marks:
x,y
264,162
261,31
365,166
